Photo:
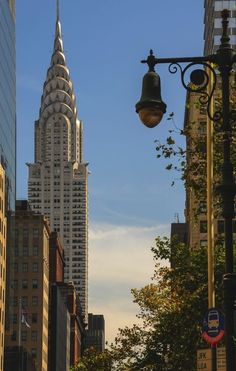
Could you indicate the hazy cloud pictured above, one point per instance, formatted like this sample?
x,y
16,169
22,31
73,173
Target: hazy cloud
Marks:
x,y
120,259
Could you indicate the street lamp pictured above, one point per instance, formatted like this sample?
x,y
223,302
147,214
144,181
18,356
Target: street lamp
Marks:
x,y
151,109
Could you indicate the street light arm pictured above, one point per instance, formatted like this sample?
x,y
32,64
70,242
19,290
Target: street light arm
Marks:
x,y
152,60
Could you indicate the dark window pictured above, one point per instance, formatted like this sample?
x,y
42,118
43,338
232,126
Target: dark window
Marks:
x,y
35,250
34,335
35,233
34,301
35,267
234,226
25,301
13,336
220,226
34,352
25,251
34,317
34,284
24,267
15,301
24,284
203,226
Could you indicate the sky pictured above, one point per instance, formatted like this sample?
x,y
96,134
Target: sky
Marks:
x,y
131,200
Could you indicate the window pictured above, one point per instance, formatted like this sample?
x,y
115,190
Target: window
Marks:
x,y
34,317
24,267
234,226
24,284
34,284
34,301
203,226
14,318
24,301
24,335
35,251
13,336
15,284
34,352
25,251
25,234
34,335
35,233
221,226
15,301
35,267
15,266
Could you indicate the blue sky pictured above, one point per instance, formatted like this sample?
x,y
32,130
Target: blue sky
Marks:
x,y
130,197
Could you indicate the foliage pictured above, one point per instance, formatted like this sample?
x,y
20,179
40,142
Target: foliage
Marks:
x,y
93,360
171,309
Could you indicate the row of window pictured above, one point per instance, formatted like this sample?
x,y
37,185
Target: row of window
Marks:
x,y
26,233
25,302
26,251
25,283
30,318
220,226
24,336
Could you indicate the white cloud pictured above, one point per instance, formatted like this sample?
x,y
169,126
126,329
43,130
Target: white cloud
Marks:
x,y
120,259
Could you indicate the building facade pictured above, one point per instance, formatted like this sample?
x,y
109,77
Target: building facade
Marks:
x,y
59,316
3,252
196,139
58,178
7,158
31,285
95,334
213,27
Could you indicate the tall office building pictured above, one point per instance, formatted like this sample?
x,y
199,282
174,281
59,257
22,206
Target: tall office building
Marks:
x,y
213,27
95,334
7,156
196,207
31,285
8,98
57,185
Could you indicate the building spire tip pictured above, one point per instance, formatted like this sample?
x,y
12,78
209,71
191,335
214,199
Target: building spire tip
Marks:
x,y
58,10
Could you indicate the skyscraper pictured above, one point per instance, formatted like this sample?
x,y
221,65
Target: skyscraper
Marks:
x,y
213,27
31,285
57,185
196,207
7,156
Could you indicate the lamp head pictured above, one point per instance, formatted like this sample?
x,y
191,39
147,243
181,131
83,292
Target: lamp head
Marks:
x,y
151,107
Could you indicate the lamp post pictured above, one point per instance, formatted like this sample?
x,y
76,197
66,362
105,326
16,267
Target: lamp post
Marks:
x,y
151,109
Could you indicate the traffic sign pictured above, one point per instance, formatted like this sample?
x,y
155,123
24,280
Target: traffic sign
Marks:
x,y
221,359
204,360
213,326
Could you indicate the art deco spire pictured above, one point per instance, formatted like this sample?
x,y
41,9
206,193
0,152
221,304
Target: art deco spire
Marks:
x,y
58,97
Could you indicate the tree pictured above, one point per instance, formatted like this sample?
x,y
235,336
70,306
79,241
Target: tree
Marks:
x,y
171,311
172,308
93,360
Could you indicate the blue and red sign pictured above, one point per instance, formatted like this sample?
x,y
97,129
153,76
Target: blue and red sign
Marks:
x,y
213,326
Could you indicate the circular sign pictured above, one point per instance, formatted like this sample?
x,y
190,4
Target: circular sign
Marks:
x,y
213,326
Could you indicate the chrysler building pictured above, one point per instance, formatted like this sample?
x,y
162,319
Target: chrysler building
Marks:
x,y
58,178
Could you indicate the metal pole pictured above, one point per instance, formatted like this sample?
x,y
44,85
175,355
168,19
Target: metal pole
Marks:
x,y
227,190
19,333
210,217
